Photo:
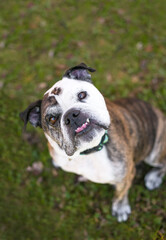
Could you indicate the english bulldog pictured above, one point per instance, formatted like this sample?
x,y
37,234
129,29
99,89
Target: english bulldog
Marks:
x,y
99,139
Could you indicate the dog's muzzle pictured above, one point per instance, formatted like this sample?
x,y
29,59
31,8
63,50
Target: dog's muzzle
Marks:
x,y
76,121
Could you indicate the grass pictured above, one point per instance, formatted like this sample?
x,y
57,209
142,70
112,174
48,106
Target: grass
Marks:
x,y
126,42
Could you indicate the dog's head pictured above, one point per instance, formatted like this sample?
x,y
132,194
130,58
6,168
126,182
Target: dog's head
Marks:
x,y
73,112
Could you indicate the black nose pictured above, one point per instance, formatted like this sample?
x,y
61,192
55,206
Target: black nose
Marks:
x,y
71,116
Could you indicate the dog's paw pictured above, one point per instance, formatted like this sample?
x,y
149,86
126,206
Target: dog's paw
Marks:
x,y
121,211
153,179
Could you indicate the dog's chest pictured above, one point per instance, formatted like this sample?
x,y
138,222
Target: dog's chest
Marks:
x,y
96,167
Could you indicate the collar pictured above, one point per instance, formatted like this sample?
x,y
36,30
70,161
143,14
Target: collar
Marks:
x,y
104,140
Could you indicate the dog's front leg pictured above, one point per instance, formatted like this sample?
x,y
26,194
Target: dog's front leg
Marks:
x,y
120,206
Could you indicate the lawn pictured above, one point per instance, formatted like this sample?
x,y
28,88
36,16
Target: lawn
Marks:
x,y
125,41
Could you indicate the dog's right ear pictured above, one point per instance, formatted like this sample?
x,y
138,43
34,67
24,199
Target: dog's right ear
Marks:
x,y
32,114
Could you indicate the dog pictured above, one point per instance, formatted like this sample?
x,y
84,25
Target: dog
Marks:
x,y
99,139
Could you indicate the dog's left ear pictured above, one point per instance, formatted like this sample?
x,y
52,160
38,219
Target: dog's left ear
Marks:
x,y
80,72
32,114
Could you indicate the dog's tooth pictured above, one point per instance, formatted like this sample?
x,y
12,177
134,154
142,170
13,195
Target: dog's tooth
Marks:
x,y
87,120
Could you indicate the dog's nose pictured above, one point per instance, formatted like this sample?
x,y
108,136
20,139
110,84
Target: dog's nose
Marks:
x,y
71,116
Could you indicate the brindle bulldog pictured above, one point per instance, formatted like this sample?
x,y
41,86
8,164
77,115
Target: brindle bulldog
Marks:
x,y
99,139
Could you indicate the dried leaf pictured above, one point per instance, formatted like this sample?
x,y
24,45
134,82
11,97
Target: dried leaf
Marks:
x,y
54,172
121,11
2,44
109,77
51,53
135,79
101,20
61,67
39,180
139,46
1,84
149,48
36,168
49,78
80,43
42,85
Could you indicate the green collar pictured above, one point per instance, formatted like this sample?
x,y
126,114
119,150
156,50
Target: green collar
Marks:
x,y
104,140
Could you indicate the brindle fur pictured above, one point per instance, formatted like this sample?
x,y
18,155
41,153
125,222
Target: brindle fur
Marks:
x,y
56,91
137,133
136,130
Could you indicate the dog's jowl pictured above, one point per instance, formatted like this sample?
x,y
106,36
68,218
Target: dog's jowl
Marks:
x,y
99,139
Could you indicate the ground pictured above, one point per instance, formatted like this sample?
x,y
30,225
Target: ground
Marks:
x,y
125,41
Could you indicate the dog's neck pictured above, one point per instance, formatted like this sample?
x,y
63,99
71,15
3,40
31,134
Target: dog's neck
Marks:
x,y
95,147
99,147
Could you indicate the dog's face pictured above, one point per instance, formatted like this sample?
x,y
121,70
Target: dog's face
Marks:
x,y
72,113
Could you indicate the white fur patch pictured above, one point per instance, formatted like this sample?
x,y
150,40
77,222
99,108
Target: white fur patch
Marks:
x,y
121,210
96,167
153,179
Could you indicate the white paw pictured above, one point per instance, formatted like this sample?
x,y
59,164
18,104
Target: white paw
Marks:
x,y
121,211
153,179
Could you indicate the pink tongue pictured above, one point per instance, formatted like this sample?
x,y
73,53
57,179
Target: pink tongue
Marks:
x,y
79,129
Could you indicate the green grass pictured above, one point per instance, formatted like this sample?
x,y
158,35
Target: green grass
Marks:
x,y
126,42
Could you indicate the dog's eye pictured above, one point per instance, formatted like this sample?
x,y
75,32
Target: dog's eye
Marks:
x,y
52,120
82,95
